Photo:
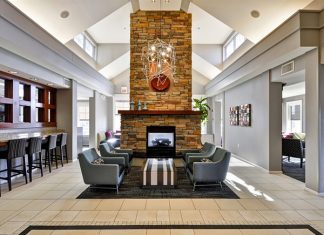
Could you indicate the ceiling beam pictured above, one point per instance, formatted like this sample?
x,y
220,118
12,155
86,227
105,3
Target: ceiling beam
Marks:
x,y
185,5
135,5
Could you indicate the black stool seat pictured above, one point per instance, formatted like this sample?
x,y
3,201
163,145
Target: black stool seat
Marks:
x,y
61,145
16,149
50,151
34,150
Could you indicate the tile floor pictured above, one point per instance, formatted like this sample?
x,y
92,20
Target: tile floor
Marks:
x,y
264,199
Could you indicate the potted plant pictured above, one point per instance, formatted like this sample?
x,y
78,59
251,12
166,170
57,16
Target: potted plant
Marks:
x,y
201,105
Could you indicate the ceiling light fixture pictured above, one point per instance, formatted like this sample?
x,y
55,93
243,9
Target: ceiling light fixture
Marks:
x,y
255,14
12,72
64,14
49,84
158,59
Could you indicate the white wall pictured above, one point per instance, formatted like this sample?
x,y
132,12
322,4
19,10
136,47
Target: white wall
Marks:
x,y
210,52
260,143
121,80
66,117
101,116
250,143
198,83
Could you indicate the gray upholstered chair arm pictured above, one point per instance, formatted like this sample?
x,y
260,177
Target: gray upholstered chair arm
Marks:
x,y
184,152
207,172
114,160
123,155
101,174
128,151
188,155
192,159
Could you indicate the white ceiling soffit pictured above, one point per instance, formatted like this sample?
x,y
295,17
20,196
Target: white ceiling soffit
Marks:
x,y
84,93
114,28
237,14
293,90
117,66
206,29
149,5
82,14
204,67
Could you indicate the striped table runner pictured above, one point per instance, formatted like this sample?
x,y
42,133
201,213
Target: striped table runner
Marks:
x,y
159,172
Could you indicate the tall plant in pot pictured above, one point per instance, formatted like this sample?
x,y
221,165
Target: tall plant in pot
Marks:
x,y
201,105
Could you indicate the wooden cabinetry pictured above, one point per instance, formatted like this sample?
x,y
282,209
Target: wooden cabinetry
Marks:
x,y
25,104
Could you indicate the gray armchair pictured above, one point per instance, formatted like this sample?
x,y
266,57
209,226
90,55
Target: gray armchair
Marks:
x,y
206,151
106,151
202,149
107,175
118,150
209,173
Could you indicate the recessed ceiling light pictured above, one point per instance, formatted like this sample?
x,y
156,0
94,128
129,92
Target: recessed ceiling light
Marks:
x,y
35,79
153,1
198,27
49,84
12,72
255,14
125,28
64,14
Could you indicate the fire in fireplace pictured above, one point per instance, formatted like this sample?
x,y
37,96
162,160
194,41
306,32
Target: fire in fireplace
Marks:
x,y
160,141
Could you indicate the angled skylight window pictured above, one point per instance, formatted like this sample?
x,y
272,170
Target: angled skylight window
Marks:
x,y
232,44
87,44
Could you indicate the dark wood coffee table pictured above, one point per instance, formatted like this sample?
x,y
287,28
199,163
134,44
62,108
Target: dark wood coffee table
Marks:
x,y
159,172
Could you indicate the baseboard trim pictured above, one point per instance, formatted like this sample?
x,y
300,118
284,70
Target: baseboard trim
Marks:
x,y
314,192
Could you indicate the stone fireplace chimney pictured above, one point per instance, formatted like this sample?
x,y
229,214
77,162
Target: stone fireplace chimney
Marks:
x,y
172,107
173,27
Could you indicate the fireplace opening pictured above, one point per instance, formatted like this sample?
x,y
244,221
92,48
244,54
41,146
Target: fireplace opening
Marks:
x,y
160,141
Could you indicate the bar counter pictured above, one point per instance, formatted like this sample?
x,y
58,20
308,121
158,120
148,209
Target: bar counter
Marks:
x,y
10,136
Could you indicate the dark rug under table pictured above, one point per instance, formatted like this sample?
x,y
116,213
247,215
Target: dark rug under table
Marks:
x,y
292,169
132,188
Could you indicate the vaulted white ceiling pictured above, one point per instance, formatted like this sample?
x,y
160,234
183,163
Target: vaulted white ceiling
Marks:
x,y
82,14
107,22
114,28
237,14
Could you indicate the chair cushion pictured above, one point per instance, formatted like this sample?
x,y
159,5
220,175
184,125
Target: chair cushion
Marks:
x,y
218,155
98,161
206,160
299,136
109,134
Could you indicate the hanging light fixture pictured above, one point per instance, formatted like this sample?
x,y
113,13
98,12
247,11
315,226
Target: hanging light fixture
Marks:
x,y
158,59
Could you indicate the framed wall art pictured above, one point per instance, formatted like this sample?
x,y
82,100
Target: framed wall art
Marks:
x,y
245,115
234,115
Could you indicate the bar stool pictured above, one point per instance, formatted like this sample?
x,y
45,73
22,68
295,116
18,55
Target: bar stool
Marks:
x,y
16,149
61,144
50,150
34,149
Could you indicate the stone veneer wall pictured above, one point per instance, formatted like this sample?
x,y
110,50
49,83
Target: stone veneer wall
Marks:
x,y
176,29
133,131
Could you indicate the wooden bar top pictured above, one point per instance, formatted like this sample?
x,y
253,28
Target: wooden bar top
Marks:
x,y
159,112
